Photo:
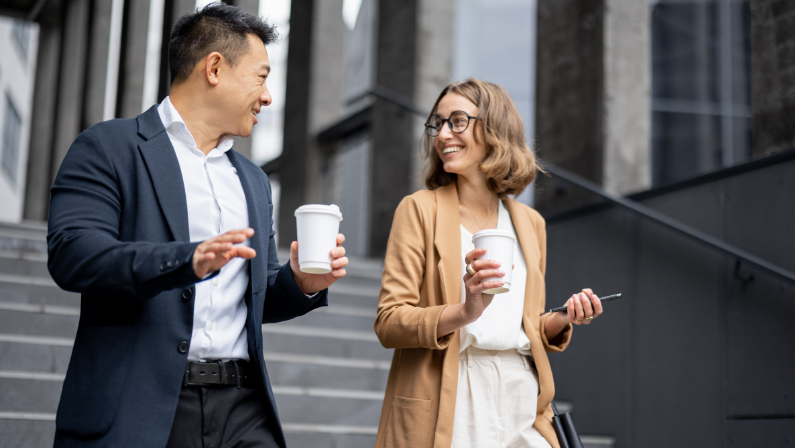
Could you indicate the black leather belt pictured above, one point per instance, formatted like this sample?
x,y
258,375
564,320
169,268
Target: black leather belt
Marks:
x,y
219,373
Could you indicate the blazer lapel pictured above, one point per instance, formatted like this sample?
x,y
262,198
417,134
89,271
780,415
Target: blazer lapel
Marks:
x,y
448,242
528,241
260,224
163,166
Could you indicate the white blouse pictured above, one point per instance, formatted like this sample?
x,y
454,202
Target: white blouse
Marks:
x,y
500,326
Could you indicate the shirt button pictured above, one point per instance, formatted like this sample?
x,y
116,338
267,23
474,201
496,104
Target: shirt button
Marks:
x,y
492,352
183,347
215,282
210,326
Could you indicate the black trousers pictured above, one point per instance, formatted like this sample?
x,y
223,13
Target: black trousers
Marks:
x,y
221,417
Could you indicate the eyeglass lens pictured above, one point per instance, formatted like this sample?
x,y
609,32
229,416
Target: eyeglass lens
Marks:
x,y
458,122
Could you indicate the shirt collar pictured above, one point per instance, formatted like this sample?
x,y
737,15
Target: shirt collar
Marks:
x,y
176,127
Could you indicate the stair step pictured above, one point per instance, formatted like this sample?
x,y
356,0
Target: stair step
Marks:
x,y
38,324
27,395
327,317
19,289
23,237
330,342
319,376
329,410
302,436
27,433
23,263
34,357
40,433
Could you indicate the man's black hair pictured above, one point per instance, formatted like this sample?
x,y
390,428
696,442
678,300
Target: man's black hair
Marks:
x,y
216,27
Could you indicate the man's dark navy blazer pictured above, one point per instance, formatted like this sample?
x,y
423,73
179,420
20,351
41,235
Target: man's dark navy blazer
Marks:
x,y
118,234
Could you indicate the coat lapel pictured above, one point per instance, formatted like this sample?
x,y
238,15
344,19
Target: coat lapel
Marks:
x,y
163,166
448,243
260,224
529,244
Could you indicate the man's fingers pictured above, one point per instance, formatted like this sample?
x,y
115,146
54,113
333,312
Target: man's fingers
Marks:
x,y
338,263
216,247
243,252
337,252
340,239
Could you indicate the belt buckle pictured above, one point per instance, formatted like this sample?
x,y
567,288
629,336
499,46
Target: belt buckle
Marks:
x,y
186,375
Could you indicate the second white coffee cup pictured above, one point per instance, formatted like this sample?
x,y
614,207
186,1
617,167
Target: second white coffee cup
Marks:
x,y
318,226
499,246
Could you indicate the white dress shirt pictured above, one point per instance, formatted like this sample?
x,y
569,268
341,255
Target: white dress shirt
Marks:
x,y
500,326
216,204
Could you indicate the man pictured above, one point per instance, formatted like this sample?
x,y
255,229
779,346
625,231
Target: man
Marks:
x,y
167,233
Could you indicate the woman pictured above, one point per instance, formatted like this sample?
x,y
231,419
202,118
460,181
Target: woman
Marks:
x,y
470,369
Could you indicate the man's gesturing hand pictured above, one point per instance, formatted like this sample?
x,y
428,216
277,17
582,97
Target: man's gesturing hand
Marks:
x,y
213,254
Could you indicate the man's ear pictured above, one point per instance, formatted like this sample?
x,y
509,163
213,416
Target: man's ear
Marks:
x,y
212,64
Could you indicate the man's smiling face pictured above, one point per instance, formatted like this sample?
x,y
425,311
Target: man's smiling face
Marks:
x,y
243,90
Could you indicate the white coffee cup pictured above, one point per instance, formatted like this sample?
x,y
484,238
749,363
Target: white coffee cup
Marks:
x,y
318,226
499,246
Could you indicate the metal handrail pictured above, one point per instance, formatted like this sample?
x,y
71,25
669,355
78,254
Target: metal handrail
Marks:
x,y
683,229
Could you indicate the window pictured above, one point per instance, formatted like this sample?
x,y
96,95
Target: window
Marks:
x,y
21,35
12,129
700,87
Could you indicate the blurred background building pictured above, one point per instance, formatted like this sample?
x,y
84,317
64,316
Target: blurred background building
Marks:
x,y
668,128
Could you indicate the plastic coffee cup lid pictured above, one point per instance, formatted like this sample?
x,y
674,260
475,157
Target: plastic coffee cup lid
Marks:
x,y
320,208
493,232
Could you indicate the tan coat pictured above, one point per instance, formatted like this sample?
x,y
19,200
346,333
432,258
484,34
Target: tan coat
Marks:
x,y
422,275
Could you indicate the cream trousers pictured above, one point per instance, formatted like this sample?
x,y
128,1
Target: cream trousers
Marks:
x,y
496,401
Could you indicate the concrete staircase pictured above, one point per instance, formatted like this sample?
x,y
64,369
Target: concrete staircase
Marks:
x,y
327,368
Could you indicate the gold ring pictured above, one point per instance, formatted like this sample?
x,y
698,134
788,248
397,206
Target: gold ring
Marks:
x,y
589,318
470,271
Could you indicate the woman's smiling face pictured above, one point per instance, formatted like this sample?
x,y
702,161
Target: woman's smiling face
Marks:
x,y
460,153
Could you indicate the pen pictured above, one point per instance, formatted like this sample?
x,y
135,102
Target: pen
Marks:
x,y
603,299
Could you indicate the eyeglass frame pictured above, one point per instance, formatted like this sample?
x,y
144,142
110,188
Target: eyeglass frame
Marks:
x,y
449,124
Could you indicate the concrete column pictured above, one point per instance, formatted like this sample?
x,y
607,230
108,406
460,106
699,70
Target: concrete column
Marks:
x,y
772,76
313,101
627,144
593,97
433,71
133,58
42,129
394,138
97,69
71,82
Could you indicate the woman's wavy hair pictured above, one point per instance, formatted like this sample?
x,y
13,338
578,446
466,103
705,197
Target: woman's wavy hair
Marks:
x,y
510,165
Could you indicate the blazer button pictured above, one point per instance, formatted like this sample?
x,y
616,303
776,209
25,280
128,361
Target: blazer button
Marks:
x,y
187,294
163,267
183,347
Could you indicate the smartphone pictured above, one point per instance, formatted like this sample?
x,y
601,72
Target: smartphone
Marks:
x,y
562,309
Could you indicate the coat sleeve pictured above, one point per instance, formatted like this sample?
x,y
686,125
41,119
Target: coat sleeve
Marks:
x,y
561,341
401,322
283,299
85,254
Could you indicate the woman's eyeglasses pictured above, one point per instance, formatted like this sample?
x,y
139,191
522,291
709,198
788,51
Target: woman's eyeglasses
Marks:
x,y
458,123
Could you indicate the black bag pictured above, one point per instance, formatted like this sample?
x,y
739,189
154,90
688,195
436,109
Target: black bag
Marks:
x,y
564,428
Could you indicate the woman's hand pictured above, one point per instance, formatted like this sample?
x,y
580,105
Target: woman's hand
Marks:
x,y
474,285
457,316
581,309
